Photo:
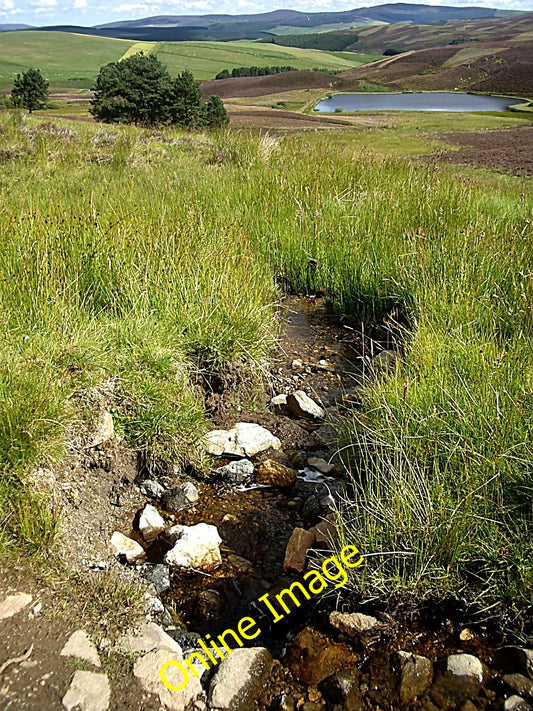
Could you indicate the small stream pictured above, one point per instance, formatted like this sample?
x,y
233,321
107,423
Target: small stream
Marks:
x,y
325,355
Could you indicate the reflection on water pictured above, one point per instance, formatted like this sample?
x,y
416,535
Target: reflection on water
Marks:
x,y
423,101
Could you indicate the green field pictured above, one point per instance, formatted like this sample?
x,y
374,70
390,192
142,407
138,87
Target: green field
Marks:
x,y
66,60
70,60
104,229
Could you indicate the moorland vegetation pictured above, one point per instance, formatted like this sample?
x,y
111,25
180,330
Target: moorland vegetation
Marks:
x,y
148,257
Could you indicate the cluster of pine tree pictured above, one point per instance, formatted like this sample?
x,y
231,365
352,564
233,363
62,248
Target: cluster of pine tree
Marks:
x,y
140,90
252,72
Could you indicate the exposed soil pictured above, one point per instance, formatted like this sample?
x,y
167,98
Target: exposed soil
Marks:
x,y
509,150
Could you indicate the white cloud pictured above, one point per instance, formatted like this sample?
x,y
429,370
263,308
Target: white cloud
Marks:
x,y
79,4
43,4
138,7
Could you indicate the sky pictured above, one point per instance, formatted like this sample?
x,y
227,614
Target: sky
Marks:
x,y
91,12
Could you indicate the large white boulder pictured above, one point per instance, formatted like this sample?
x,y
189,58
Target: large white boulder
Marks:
x,y
246,439
196,547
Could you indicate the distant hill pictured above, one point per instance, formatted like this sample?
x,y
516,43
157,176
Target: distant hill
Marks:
x,y
13,28
402,37
503,65
179,28
74,60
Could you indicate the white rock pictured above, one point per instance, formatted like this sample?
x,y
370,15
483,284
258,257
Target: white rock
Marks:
x,y
13,604
516,703
465,665
151,523
196,547
148,671
244,440
104,431
127,547
240,679
149,637
79,645
279,400
301,405
88,691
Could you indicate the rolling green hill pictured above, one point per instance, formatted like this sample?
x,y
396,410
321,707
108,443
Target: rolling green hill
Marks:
x,y
66,60
70,60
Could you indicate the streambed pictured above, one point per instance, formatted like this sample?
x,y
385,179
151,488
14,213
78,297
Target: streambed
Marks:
x,y
326,356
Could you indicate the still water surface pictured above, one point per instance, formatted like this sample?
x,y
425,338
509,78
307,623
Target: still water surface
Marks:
x,y
423,101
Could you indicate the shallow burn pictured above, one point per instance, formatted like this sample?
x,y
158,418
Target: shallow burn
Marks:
x,y
255,526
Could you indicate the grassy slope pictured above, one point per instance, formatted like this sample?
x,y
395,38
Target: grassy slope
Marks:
x,y
69,60
99,277
206,59
65,59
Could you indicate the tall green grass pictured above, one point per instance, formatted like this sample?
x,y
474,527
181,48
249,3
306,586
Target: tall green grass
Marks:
x,y
144,256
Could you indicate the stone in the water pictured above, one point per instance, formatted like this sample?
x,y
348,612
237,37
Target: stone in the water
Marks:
x,y
14,604
297,547
244,440
301,405
149,637
353,624
152,489
208,605
516,703
274,473
521,684
240,680
88,691
124,547
197,547
79,645
415,673
311,656
326,531
462,680
180,497
159,576
151,523
237,473
105,430
465,665
320,464
511,659
343,689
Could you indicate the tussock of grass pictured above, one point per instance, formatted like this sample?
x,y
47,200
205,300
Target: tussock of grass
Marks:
x,y
130,254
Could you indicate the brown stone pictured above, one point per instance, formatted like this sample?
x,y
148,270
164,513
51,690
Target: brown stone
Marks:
x,y
415,672
354,624
312,656
297,547
274,473
326,531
